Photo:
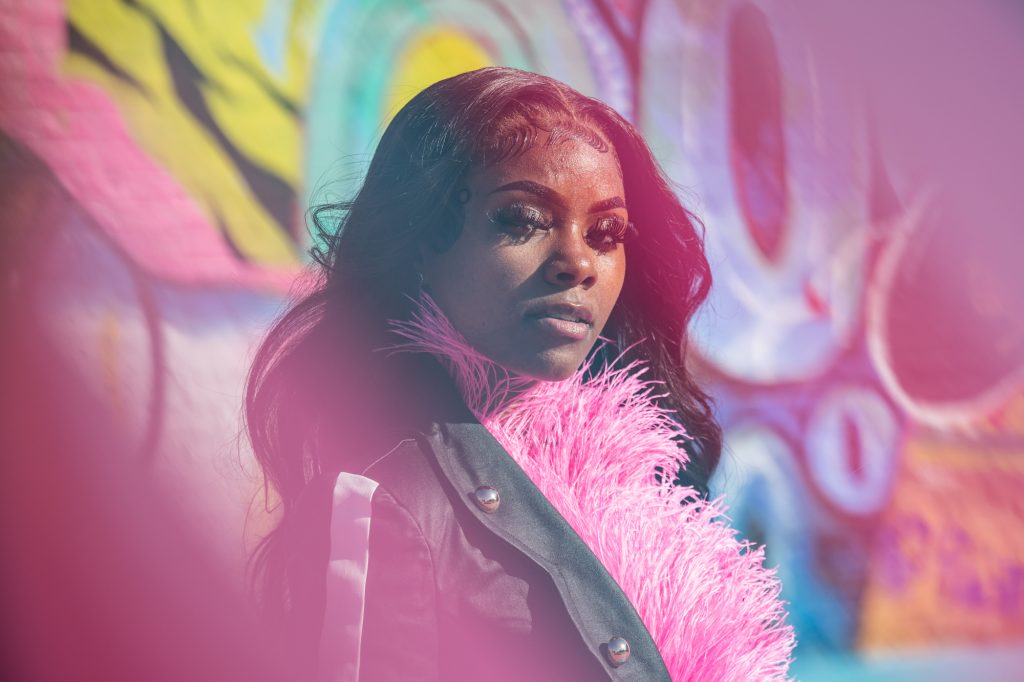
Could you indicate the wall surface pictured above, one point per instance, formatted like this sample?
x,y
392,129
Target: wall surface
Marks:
x,y
854,168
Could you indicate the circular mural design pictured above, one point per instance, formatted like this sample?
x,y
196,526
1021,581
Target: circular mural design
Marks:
x,y
853,442
773,159
373,59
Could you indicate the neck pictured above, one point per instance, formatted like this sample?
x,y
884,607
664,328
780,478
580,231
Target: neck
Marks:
x,y
486,387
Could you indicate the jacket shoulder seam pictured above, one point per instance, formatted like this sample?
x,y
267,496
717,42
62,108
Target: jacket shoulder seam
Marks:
x,y
386,455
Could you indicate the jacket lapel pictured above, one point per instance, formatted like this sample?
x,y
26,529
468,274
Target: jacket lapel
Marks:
x,y
470,458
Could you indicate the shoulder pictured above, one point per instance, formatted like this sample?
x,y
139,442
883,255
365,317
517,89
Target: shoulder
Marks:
x,y
380,563
407,476
402,473
389,486
399,500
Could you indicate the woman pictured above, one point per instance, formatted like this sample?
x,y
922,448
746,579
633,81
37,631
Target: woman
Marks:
x,y
464,494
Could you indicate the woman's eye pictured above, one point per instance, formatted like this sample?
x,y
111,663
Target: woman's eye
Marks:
x,y
519,220
608,233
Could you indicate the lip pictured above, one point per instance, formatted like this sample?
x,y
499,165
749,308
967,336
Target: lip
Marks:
x,y
563,320
572,312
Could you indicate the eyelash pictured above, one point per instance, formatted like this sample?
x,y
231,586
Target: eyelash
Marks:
x,y
520,221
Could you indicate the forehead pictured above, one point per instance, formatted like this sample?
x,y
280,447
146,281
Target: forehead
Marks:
x,y
568,165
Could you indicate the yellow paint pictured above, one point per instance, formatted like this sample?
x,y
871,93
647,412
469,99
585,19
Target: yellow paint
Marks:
x,y
218,39
431,57
953,525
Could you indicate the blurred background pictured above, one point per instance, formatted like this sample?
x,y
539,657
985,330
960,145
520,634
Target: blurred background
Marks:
x,y
858,167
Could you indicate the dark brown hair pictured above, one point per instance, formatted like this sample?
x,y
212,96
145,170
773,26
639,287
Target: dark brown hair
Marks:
x,y
316,379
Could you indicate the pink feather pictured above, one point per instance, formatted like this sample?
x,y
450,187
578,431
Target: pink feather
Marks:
x,y
593,448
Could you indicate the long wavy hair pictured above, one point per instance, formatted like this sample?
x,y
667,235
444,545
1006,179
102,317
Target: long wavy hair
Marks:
x,y
320,399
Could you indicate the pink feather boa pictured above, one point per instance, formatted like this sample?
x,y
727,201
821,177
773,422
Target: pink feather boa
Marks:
x,y
592,448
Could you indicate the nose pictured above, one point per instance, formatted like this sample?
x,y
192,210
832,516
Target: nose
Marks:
x,y
571,263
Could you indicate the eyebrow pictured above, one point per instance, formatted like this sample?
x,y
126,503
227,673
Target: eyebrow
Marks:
x,y
554,197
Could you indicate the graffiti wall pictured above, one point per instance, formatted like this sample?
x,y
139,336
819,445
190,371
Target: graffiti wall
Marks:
x,y
864,339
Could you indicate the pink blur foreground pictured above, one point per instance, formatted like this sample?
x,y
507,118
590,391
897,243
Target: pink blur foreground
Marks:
x,y
121,548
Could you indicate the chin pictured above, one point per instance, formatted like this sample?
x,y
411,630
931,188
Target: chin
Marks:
x,y
552,365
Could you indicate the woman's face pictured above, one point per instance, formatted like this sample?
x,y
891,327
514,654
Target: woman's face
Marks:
x,y
539,264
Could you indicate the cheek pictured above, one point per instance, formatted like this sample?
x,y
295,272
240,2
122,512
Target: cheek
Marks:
x,y
476,284
614,277
501,269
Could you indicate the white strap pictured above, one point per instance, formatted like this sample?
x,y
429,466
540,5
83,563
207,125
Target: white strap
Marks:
x,y
341,637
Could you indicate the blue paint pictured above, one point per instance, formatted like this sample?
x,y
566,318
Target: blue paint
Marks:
x,y
271,36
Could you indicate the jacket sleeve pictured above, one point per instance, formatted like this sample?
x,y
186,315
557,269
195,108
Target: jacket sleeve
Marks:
x,y
380,621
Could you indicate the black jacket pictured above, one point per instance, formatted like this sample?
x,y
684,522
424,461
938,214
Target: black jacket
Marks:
x,y
448,590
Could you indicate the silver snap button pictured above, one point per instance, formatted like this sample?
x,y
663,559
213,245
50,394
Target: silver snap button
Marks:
x,y
618,651
487,498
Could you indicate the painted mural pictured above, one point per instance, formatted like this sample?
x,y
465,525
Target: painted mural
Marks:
x,y
869,383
